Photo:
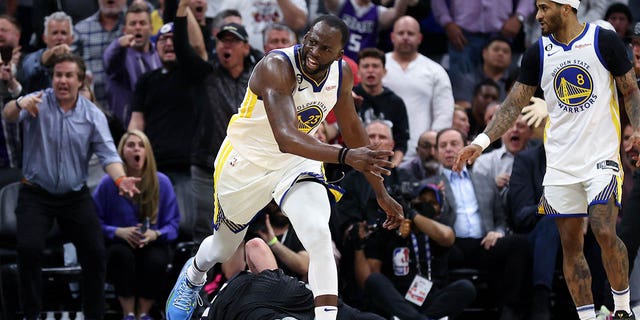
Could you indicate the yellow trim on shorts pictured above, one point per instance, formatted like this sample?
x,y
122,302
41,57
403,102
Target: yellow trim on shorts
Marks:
x,y
226,149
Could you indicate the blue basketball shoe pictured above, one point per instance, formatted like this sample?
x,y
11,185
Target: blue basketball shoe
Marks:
x,y
184,296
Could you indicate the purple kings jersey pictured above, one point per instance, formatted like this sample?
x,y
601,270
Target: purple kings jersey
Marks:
x,y
363,26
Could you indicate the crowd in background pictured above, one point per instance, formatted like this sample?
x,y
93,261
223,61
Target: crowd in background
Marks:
x,y
167,75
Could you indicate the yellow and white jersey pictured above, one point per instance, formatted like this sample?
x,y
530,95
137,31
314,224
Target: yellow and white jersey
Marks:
x,y
249,130
582,137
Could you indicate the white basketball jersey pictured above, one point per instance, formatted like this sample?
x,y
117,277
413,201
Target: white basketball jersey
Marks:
x,y
582,137
249,130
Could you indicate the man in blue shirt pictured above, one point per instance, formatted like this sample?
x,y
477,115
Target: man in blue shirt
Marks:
x,y
474,209
61,131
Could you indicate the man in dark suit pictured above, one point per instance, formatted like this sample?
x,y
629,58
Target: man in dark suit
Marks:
x,y
525,190
476,213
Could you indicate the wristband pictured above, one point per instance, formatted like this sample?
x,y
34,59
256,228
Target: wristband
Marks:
x,y
482,140
118,181
342,155
272,241
18,103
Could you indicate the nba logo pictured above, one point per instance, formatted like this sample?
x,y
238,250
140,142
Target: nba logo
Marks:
x,y
401,261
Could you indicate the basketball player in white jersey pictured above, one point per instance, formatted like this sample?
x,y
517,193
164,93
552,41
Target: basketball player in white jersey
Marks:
x,y
578,65
271,153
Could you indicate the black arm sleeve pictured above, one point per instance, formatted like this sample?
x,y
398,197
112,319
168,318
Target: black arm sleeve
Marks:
x,y
530,66
613,52
186,55
170,8
139,94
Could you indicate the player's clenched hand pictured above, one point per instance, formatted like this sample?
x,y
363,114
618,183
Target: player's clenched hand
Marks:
x,y
393,210
468,155
366,160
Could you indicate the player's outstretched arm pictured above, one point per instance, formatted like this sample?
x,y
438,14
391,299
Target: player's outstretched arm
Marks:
x,y
370,162
518,97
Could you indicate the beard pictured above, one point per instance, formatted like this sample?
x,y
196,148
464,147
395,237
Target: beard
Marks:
x,y
321,67
552,25
431,166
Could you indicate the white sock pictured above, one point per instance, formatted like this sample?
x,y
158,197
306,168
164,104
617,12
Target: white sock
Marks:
x,y
326,312
621,300
195,276
587,312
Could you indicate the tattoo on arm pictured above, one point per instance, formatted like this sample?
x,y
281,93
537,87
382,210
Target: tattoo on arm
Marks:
x,y
509,110
629,88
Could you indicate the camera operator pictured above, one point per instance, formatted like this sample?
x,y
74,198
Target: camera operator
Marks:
x,y
405,273
359,214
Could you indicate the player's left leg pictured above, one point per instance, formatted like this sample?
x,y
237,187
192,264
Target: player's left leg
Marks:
x,y
307,206
603,219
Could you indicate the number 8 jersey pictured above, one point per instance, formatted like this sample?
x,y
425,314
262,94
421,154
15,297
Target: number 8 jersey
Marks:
x,y
582,136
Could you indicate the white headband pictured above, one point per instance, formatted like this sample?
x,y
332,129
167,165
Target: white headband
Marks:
x,y
573,3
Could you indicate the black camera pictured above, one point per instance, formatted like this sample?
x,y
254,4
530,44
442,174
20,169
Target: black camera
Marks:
x,y
405,194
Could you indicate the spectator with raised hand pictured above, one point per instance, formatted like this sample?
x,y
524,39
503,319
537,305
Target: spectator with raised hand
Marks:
x,y
10,87
54,185
171,97
10,57
127,58
138,229
34,72
223,86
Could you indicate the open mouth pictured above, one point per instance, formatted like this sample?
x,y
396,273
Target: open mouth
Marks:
x,y
312,63
111,2
226,55
199,9
136,158
138,36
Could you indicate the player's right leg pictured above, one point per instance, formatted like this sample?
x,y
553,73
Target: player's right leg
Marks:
x,y
217,247
574,265
307,206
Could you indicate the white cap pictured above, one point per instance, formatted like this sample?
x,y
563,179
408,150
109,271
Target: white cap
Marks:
x,y
573,3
